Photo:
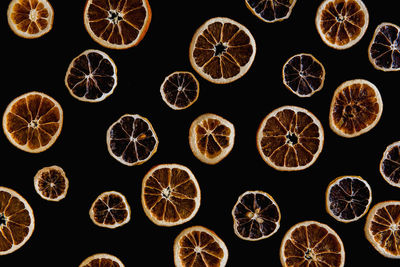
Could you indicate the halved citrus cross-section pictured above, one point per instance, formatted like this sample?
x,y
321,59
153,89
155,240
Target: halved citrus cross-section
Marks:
x,y
33,121
199,246
290,138
101,260
271,10
170,194
51,183
16,221
390,164
222,50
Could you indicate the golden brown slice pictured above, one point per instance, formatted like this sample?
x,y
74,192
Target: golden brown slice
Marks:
x,y
32,122
222,50
199,246
51,183
312,244
382,228
271,10
356,108
390,164
290,138
170,194
101,260
16,221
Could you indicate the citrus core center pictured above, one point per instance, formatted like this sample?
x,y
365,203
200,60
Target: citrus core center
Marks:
x,y
114,16
34,124
309,255
166,192
220,48
291,138
33,15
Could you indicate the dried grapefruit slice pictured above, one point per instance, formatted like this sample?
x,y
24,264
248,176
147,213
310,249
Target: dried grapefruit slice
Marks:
x,y
51,183
271,10
102,260
390,164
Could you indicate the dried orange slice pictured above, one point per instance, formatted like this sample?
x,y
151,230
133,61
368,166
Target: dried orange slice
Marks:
x,y
32,122
256,216
30,18
16,221
91,76
170,194
211,138
110,210
382,228
347,198
51,183
390,164
384,49
303,75
119,24
311,243
199,246
222,50
342,23
102,260
132,140
271,10
290,138
356,108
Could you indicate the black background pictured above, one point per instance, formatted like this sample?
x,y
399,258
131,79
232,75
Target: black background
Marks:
x,y
64,234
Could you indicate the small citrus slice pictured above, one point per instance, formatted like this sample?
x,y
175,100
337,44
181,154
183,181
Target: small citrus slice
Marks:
x,y
290,138
382,228
311,243
356,108
222,50
32,122
119,24
102,260
256,216
303,75
384,49
347,198
30,18
199,246
132,140
170,194
51,183
16,221
91,76
110,210
211,138
271,10
342,23
390,164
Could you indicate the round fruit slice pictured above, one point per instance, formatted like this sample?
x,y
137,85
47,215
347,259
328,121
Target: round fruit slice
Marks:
x,y
271,10
170,194
91,76
16,221
51,183
222,50
102,260
211,138
30,18
256,216
110,210
347,198
119,24
312,243
33,121
199,246
390,164
303,75
132,140
290,138
384,49
356,108
342,23
382,228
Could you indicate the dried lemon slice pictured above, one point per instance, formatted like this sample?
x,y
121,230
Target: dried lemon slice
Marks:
x,y
51,183
101,260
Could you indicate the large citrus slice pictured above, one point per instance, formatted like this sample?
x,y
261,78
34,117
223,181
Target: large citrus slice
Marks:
x,y
51,183
390,164
101,260
271,10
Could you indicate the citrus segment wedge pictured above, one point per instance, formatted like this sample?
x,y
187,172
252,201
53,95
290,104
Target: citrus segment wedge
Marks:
x,y
390,164
51,183
271,10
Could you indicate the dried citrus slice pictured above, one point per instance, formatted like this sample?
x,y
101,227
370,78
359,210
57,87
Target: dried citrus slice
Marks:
x,y
290,138
256,216
51,183
30,18
271,10
303,75
222,50
311,243
347,198
16,221
170,194
382,228
390,164
32,122
91,76
199,246
102,260
342,23
356,108
132,140
384,49
119,24
110,210
211,138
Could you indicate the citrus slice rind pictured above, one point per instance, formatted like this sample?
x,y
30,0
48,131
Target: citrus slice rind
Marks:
x,y
389,166
101,260
51,183
272,10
